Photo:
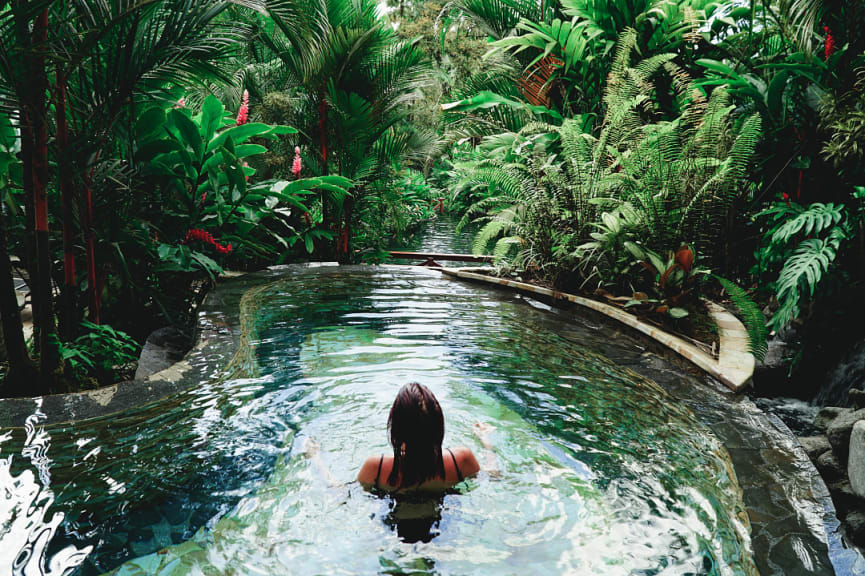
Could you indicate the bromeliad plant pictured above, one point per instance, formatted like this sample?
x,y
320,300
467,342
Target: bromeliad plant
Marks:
x,y
673,281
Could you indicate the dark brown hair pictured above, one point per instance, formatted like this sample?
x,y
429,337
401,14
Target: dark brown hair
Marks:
x,y
416,421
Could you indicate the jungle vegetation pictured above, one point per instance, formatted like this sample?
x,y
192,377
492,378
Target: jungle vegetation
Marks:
x,y
645,150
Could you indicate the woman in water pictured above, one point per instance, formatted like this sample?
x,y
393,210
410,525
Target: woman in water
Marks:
x,y
416,428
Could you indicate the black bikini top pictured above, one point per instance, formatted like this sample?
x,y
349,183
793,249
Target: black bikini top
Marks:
x,y
454,458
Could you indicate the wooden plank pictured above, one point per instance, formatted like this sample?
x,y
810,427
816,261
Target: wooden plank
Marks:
x,y
434,256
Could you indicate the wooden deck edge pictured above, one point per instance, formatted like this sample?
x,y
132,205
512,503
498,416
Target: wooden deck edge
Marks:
x,y
734,366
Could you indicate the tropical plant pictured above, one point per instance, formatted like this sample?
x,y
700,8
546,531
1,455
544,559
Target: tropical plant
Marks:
x,y
96,61
351,82
679,178
604,259
805,241
101,353
674,281
203,211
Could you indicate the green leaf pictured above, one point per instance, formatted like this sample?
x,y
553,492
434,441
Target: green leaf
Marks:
x,y
752,318
487,99
212,112
677,313
247,150
242,133
189,132
149,122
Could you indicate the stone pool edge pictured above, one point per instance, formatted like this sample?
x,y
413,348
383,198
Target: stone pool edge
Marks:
x,y
734,366
219,335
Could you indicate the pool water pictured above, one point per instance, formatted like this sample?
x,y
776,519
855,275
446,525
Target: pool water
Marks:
x,y
599,472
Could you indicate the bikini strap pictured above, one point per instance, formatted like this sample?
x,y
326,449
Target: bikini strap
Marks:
x,y
377,474
454,458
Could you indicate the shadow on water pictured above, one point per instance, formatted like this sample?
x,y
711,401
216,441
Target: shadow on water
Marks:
x,y
415,517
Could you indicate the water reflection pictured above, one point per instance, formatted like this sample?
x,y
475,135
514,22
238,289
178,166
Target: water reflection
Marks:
x,y
28,526
415,517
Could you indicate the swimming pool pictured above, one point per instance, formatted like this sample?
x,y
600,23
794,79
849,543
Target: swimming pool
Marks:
x,y
601,471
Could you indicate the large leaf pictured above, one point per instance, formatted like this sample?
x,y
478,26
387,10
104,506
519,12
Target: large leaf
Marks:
x,y
149,122
487,99
212,112
242,133
189,131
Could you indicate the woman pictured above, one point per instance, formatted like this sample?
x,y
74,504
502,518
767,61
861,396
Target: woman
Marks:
x,y
416,428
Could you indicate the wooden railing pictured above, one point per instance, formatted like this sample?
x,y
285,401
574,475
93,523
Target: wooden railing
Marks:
x,y
429,258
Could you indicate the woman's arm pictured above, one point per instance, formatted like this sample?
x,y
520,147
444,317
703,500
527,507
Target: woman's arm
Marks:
x,y
483,430
312,450
367,473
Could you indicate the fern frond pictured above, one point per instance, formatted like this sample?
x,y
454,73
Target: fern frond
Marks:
x,y
752,318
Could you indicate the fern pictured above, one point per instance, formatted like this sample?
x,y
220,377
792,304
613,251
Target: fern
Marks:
x,y
752,318
497,225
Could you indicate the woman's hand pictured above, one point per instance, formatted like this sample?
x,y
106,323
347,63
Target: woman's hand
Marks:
x,y
310,447
483,430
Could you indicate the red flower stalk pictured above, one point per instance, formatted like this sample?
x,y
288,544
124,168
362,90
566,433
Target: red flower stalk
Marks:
x,y
207,238
243,113
829,47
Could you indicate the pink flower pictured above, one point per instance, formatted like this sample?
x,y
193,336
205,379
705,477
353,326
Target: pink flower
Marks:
x,y
296,166
246,165
181,103
829,47
243,113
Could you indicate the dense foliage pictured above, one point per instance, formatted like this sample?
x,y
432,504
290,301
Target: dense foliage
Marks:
x,y
735,139
650,152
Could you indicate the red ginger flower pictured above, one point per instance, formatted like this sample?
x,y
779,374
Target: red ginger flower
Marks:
x,y
296,166
829,47
243,113
207,238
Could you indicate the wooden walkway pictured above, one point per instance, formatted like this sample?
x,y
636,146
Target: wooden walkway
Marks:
x,y
429,258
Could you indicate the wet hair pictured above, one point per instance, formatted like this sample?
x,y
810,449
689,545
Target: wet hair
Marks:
x,y
415,420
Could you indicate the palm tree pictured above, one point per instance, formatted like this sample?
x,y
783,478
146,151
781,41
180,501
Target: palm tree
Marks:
x,y
351,81
99,59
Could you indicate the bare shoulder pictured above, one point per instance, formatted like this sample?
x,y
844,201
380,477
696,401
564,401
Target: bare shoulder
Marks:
x,y
466,459
369,470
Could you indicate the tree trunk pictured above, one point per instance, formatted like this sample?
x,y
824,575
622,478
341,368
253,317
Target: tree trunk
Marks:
x,y
322,129
344,241
86,211
25,92
22,374
49,357
68,296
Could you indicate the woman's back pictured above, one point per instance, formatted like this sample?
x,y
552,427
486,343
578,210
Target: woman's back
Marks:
x,y
458,463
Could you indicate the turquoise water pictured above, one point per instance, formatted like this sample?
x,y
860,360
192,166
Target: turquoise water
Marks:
x,y
598,472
